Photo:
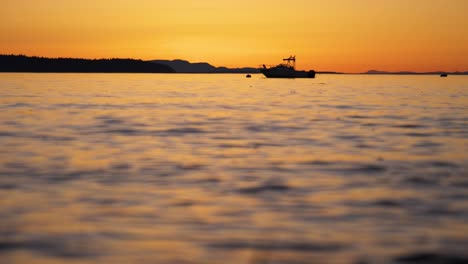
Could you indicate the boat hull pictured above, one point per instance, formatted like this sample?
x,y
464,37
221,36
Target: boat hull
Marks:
x,y
274,73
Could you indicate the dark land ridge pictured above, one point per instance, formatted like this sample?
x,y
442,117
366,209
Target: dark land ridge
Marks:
x,y
22,63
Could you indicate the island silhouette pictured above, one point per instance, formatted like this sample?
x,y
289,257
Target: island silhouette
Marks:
x,y
22,63
183,66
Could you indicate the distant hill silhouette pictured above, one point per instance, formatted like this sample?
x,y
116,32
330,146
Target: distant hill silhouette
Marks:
x,y
414,73
21,63
183,66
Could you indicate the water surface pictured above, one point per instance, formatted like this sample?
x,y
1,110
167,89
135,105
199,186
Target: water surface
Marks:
x,y
217,168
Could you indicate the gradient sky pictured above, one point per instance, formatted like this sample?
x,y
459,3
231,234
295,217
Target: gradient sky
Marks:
x,y
339,35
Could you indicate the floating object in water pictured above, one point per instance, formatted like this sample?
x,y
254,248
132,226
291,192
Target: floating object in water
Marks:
x,y
443,75
286,70
248,76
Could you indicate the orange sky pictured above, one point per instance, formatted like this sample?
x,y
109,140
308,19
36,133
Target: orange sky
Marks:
x,y
339,35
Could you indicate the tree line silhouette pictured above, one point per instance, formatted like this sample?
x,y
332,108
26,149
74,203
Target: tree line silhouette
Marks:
x,y
22,63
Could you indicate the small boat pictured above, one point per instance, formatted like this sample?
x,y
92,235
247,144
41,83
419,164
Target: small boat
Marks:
x,y
286,70
248,76
443,75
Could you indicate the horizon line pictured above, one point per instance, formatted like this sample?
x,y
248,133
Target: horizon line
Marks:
x,y
371,71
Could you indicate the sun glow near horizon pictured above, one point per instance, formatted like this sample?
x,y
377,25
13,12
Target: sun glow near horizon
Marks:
x,y
349,36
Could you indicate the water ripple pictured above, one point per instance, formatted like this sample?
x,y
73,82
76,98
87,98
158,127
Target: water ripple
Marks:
x,y
155,168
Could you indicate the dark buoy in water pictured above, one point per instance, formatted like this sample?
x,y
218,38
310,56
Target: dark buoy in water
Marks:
x,y
248,76
443,75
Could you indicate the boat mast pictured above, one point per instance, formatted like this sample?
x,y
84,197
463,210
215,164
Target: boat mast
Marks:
x,y
293,59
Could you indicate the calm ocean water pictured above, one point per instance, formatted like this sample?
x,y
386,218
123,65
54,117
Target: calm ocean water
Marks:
x,y
186,168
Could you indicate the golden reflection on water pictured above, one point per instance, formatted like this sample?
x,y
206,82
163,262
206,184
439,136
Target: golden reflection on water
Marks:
x,y
148,168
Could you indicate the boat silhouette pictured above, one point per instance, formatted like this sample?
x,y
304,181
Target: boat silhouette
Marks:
x,y
286,70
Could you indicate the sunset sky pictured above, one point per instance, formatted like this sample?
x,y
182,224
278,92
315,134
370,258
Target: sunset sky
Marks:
x,y
338,35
